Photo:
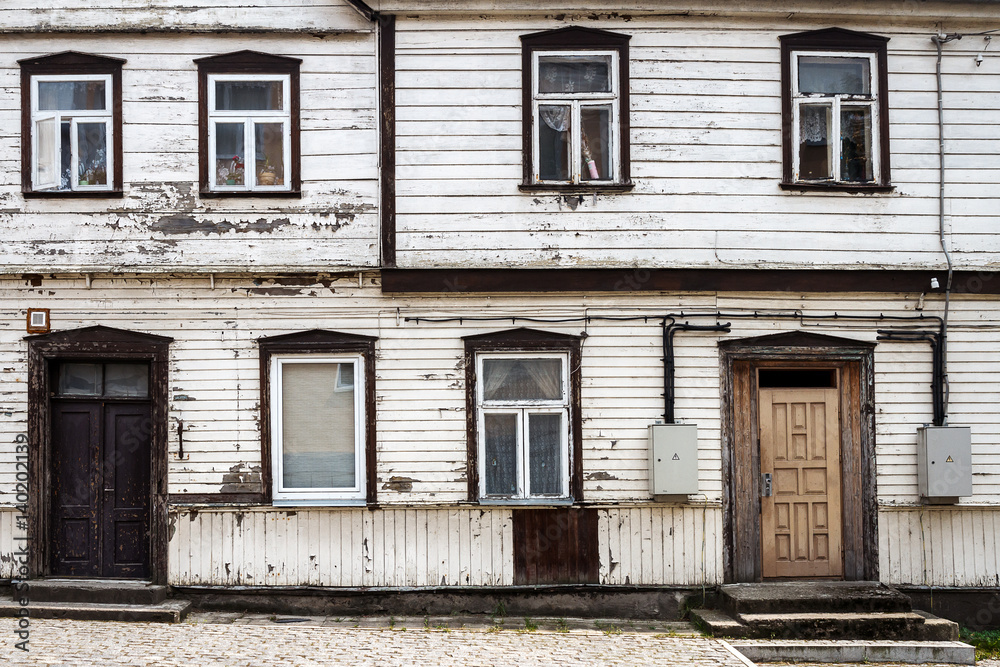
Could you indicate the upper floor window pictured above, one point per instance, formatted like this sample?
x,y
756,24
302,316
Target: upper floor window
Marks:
x,y
249,124
835,110
575,110
318,396
523,402
71,125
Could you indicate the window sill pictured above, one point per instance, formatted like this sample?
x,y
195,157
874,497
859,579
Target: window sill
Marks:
x,y
245,194
528,502
70,194
836,187
580,188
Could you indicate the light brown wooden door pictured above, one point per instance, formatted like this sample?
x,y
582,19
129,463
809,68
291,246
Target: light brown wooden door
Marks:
x,y
800,448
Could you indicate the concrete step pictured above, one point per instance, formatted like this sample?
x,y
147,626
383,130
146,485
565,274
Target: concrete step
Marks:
x,y
811,597
169,611
99,591
834,652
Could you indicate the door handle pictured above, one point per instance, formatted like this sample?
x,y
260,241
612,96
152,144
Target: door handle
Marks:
x,y
765,485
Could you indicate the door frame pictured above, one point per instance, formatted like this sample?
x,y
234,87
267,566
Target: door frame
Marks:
x,y
739,361
97,343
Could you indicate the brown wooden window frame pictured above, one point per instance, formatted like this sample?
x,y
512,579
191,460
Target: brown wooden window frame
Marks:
x,y
529,342
574,39
321,344
254,63
69,64
846,42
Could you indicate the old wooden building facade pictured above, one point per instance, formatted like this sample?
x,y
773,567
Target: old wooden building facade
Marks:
x,y
388,295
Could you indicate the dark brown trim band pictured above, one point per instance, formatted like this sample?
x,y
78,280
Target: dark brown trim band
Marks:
x,y
387,136
215,498
684,280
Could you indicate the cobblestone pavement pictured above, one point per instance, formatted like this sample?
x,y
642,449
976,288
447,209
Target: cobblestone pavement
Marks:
x,y
217,639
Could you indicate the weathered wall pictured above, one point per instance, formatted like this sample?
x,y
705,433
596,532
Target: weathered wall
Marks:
x,y
705,149
161,224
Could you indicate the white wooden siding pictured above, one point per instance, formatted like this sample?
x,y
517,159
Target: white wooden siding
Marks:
x,y
304,16
705,150
9,545
161,224
339,547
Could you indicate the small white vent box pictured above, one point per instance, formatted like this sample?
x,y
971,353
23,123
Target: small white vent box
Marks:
x,y
673,459
944,462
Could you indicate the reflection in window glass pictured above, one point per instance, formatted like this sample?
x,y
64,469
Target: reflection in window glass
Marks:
x,y
595,129
856,144
65,154
545,454
815,141
500,467
92,156
248,95
574,74
317,427
80,380
522,379
229,154
269,143
71,96
553,142
830,75
131,380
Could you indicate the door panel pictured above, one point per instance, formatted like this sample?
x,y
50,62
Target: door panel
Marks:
x,y
101,487
800,448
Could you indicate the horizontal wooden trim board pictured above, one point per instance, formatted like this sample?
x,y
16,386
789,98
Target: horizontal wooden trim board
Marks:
x,y
684,280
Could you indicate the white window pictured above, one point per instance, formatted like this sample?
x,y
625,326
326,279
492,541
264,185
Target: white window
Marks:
x,y
72,132
318,428
249,132
523,421
576,117
835,117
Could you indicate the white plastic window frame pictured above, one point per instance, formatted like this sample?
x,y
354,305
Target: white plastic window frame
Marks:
x,y
322,496
522,409
58,116
576,101
836,102
249,120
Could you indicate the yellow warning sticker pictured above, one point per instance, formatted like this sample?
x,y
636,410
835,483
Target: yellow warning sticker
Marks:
x,y
949,460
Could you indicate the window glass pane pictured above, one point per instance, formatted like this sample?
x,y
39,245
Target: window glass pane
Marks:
x,y
248,95
834,76
522,379
71,96
229,154
545,454
595,130
92,144
815,142
500,466
317,427
574,74
65,154
80,380
269,140
553,142
126,380
45,131
856,144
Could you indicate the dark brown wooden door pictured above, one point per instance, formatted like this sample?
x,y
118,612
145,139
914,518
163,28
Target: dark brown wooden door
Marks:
x,y
100,488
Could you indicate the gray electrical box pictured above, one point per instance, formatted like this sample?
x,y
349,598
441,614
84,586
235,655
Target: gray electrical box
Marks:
x,y
673,459
944,462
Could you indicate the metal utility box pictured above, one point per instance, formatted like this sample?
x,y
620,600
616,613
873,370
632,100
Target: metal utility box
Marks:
x,y
944,462
673,459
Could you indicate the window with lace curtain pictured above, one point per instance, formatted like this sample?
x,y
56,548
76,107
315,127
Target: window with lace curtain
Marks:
x,y
575,109
835,110
524,417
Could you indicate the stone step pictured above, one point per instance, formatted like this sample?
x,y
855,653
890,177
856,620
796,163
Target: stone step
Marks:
x,y
169,611
838,625
811,596
95,591
835,652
